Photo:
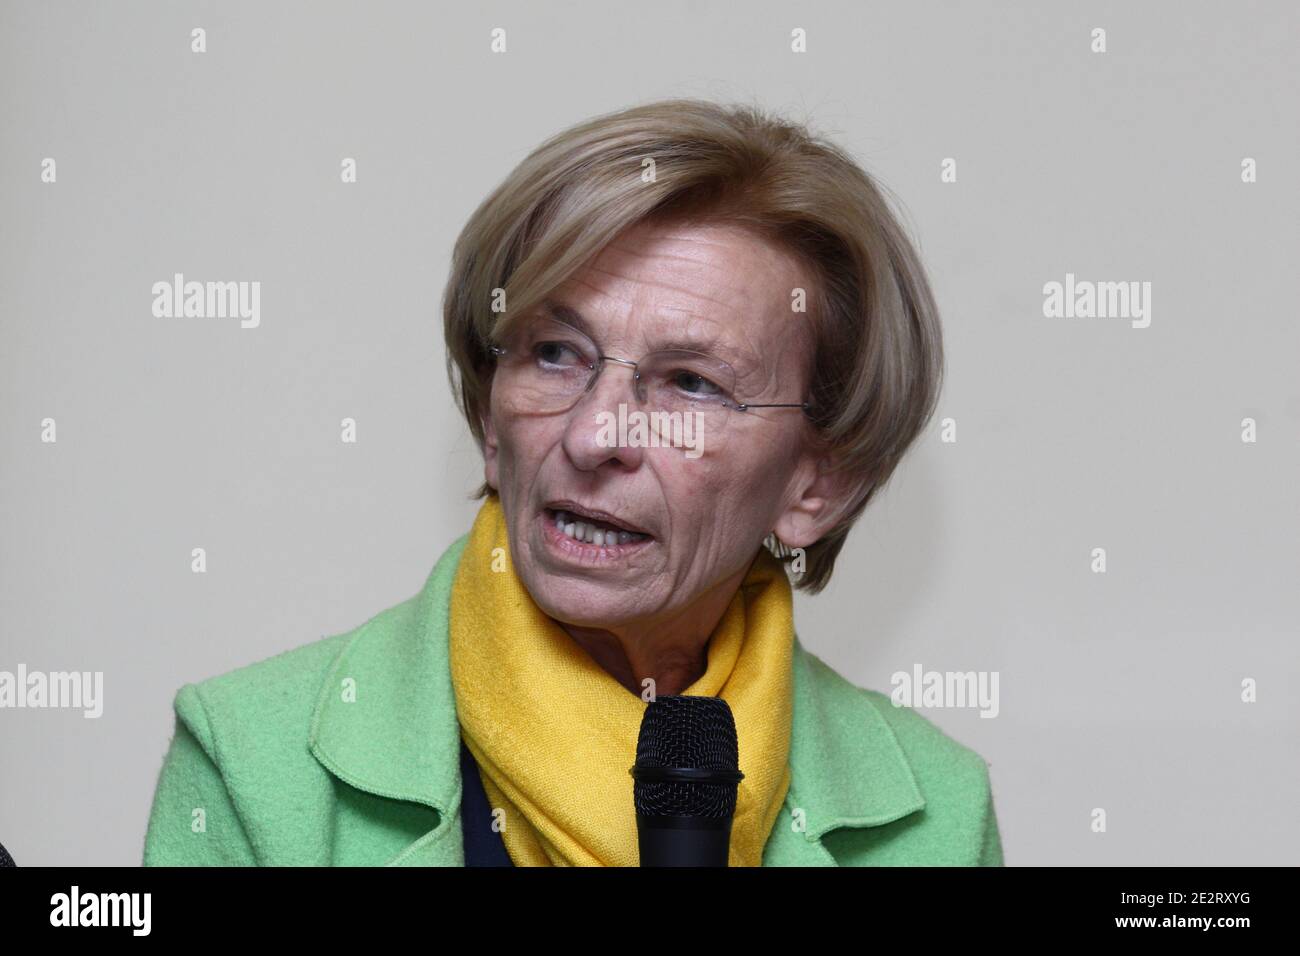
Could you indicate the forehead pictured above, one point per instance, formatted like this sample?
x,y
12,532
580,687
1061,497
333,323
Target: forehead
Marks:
x,y
688,285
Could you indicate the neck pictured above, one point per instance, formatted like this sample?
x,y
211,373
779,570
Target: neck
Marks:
x,y
673,652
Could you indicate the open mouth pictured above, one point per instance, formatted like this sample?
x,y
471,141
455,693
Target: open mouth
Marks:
x,y
586,529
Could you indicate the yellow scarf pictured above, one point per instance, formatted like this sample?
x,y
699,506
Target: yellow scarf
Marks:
x,y
554,734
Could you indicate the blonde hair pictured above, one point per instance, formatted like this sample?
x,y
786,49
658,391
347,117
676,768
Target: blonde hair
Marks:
x,y
877,354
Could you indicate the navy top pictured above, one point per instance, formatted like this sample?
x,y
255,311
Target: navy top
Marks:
x,y
483,845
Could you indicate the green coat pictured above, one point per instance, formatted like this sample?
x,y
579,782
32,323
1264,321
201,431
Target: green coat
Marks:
x,y
270,765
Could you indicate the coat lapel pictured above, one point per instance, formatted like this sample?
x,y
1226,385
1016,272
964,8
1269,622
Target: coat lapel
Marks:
x,y
399,737
385,722
846,767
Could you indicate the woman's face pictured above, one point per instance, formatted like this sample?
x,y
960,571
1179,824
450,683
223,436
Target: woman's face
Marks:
x,y
706,510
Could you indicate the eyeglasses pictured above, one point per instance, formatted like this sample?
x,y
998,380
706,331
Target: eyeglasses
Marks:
x,y
548,365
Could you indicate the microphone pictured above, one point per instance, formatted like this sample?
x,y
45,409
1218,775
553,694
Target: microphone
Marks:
x,y
687,771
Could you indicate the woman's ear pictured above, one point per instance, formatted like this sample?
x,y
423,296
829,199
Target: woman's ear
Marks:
x,y
820,497
490,450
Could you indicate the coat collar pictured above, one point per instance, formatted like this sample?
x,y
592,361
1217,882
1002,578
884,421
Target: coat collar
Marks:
x,y
385,722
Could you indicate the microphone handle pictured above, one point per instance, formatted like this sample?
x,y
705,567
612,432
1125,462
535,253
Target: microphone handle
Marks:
x,y
683,841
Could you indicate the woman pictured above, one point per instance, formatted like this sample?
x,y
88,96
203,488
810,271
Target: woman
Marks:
x,y
691,343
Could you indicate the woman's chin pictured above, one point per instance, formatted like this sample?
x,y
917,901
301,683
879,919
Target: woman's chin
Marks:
x,y
586,603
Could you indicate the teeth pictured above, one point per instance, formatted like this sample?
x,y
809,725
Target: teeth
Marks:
x,y
589,533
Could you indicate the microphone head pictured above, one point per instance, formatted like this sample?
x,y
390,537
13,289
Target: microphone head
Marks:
x,y
687,760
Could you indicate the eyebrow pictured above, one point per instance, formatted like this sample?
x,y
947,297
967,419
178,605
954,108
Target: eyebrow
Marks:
x,y
712,345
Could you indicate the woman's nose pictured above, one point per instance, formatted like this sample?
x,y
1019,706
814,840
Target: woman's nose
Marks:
x,y
600,423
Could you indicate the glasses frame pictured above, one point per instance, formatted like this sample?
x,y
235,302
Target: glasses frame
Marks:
x,y
601,358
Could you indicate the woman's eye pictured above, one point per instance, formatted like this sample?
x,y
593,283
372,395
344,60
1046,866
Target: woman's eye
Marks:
x,y
695,384
556,353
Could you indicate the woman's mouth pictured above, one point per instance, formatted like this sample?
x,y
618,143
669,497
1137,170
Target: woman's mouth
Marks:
x,y
583,536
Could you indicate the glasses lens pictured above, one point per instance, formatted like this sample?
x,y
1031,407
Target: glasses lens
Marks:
x,y
688,396
546,367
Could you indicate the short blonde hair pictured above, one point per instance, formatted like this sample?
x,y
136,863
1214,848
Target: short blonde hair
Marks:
x,y
876,345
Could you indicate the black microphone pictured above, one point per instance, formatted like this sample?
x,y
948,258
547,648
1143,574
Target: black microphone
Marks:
x,y
687,770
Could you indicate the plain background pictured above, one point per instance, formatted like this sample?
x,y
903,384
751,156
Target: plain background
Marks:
x,y
1119,691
